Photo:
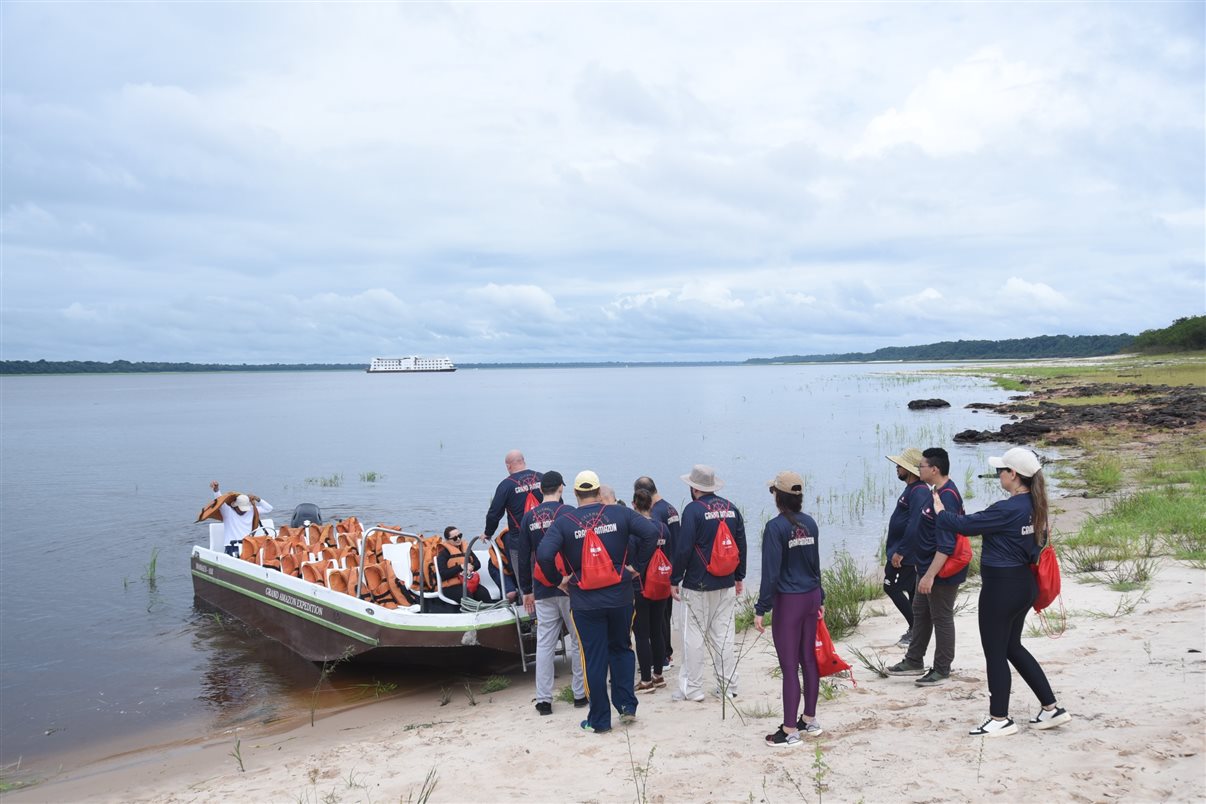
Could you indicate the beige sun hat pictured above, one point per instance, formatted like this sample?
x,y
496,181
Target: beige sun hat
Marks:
x,y
788,482
703,478
908,460
242,503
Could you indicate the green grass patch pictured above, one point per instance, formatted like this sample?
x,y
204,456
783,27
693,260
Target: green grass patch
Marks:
x,y
1169,519
566,694
330,481
847,589
495,684
1102,473
1182,462
369,477
1084,401
746,613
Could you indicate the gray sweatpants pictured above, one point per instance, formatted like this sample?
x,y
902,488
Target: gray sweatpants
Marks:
x,y
934,613
551,612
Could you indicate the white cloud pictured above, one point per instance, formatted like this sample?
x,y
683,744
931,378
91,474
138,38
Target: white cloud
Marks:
x,y
1038,294
963,109
487,172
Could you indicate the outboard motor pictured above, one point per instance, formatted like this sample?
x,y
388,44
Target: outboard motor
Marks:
x,y
306,511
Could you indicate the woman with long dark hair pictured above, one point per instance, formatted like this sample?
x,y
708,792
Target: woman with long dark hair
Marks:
x,y
791,586
1015,531
649,621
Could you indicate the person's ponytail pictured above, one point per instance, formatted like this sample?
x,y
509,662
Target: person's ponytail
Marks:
x,y
1038,506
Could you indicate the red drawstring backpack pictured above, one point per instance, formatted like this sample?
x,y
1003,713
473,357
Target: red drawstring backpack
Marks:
x,y
657,577
828,661
1046,573
958,559
725,555
596,569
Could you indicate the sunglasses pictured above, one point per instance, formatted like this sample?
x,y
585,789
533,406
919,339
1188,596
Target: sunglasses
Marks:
x,y
1002,470
456,537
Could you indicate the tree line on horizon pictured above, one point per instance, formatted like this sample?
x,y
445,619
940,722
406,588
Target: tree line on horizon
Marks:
x,y
1009,349
1184,334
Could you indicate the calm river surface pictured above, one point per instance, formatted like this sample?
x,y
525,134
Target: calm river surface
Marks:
x,y
97,473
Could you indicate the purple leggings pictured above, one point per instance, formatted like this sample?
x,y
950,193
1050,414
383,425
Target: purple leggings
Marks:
x,y
794,628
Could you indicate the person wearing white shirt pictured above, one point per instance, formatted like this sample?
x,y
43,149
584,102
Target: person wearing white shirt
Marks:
x,y
237,517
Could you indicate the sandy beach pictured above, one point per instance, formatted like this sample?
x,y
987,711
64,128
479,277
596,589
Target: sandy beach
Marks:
x,y
1135,683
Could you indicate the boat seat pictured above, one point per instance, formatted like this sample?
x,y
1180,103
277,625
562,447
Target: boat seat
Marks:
x,y
483,556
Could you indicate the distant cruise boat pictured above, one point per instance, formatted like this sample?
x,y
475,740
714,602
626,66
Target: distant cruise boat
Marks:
x,y
411,363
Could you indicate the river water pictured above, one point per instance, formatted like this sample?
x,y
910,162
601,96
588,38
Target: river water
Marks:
x,y
102,475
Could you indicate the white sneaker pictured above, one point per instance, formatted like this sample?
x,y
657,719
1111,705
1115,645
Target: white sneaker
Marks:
x,y
1050,718
995,728
697,697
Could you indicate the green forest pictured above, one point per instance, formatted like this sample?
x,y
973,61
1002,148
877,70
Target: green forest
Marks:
x,y
1009,349
1185,334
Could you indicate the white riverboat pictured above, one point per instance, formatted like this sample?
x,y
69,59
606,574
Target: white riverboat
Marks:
x,y
411,363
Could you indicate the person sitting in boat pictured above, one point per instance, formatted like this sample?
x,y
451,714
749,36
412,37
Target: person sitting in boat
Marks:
x,y
450,565
238,518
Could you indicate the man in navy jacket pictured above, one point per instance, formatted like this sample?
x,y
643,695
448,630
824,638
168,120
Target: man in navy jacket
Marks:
x,y
710,601
602,614
900,570
511,499
934,600
550,604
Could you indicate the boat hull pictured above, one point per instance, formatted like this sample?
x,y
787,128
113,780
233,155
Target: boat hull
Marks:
x,y
321,625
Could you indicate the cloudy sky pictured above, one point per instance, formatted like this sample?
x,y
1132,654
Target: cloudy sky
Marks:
x,y
548,181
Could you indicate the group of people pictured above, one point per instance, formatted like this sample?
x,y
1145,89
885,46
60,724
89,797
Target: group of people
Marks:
x,y
595,571
922,533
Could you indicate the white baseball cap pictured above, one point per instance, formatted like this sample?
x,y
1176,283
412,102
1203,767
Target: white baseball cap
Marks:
x,y
1019,459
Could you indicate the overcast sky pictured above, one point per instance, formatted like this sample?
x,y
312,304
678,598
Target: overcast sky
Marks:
x,y
328,183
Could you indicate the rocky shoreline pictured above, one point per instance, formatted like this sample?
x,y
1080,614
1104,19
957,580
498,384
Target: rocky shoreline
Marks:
x,y
1039,418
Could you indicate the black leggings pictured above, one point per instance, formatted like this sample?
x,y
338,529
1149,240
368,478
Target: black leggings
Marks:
x,y
899,585
1006,595
649,626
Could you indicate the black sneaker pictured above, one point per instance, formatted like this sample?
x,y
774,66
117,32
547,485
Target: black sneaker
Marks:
x,y
1050,718
544,708
628,717
807,729
781,739
932,679
581,702
906,668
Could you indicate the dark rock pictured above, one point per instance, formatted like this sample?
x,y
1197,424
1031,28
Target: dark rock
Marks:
x,y
926,404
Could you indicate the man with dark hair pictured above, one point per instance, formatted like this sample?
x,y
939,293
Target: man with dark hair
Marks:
x,y
542,598
667,514
900,570
709,588
517,493
934,600
600,591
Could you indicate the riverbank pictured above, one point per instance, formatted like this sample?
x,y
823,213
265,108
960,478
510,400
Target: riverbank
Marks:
x,y
1129,668
1126,668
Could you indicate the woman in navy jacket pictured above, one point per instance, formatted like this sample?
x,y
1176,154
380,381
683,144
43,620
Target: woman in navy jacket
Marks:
x,y
1014,531
791,585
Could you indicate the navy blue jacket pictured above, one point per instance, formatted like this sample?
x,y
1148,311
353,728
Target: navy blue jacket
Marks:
x,y
791,559
667,514
509,498
628,537
934,538
905,522
1007,530
693,548
531,530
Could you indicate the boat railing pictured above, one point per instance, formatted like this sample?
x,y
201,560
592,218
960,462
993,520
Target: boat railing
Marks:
x,y
415,537
516,607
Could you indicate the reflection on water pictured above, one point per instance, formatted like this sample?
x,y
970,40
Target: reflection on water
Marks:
x,y
103,476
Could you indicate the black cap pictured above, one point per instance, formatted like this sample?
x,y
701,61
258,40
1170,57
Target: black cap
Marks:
x,y
551,481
